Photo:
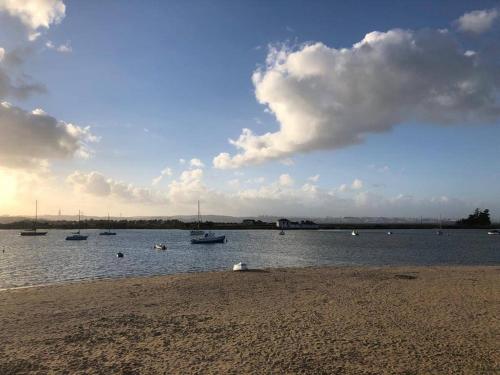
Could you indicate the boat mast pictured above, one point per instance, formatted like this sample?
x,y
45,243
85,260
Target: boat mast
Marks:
x,y
198,214
36,214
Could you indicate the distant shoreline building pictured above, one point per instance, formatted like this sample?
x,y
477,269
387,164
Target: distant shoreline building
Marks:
x,y
304,224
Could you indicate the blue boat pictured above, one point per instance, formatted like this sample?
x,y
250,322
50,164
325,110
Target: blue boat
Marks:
x,y
209,238
76,236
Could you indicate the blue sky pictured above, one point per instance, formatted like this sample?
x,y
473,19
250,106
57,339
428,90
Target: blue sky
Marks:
x,y
160,81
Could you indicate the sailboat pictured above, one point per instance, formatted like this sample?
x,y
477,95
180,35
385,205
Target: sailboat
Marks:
x,y
208,238
108,232
354,233
198,232
33,232
76,236
440,231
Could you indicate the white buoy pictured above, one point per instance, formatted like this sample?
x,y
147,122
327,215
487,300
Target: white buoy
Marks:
x,y
240,267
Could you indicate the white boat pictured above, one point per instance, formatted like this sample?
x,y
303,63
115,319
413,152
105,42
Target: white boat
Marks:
x,y
198,232
209,238
160,246
77,236
240,267
33,232
389,233
494,232
354,233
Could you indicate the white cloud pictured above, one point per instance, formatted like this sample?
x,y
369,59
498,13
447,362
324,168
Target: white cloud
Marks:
x,y
477,21
96,184
327,98
196,163
2,53
35,14
182,161
314,178
180,197
29,139
167,172
63,48
357,184
286,180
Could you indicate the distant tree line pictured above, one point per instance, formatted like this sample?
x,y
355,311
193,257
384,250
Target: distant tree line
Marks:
x,y
477,219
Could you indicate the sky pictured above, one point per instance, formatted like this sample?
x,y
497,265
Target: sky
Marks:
x,y
288,108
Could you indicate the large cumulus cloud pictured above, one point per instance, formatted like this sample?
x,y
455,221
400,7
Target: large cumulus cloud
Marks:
x,y
327,98
30,139
35,14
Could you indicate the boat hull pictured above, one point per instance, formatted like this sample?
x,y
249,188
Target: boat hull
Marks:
x,y
107,234
76,238
32,234
219,239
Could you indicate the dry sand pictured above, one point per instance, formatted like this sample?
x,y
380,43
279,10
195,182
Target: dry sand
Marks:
x,y
310,321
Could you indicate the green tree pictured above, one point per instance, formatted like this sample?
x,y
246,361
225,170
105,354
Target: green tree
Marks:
x,y
478,218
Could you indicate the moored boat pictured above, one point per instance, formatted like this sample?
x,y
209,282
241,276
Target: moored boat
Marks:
x,y
77,236
33,232
354,233
108,231
160,246
209,238
494,232
198,231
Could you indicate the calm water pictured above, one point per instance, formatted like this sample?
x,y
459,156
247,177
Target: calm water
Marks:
x,y
40,260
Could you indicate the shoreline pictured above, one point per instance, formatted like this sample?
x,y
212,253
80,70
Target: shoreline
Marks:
x,y
312,320
267,269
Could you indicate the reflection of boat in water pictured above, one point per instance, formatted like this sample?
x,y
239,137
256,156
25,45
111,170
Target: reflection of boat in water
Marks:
x,y
108,232
209,238
282,232
198,232
354,233
494,232
33,232
160,246
76,236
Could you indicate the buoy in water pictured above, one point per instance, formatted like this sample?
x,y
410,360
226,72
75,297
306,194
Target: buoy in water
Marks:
x,y
119,255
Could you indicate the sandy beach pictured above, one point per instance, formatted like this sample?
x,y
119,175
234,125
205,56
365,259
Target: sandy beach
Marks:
x,y
405,320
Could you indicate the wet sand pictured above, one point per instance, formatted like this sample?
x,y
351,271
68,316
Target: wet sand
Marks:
x,y
406,320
